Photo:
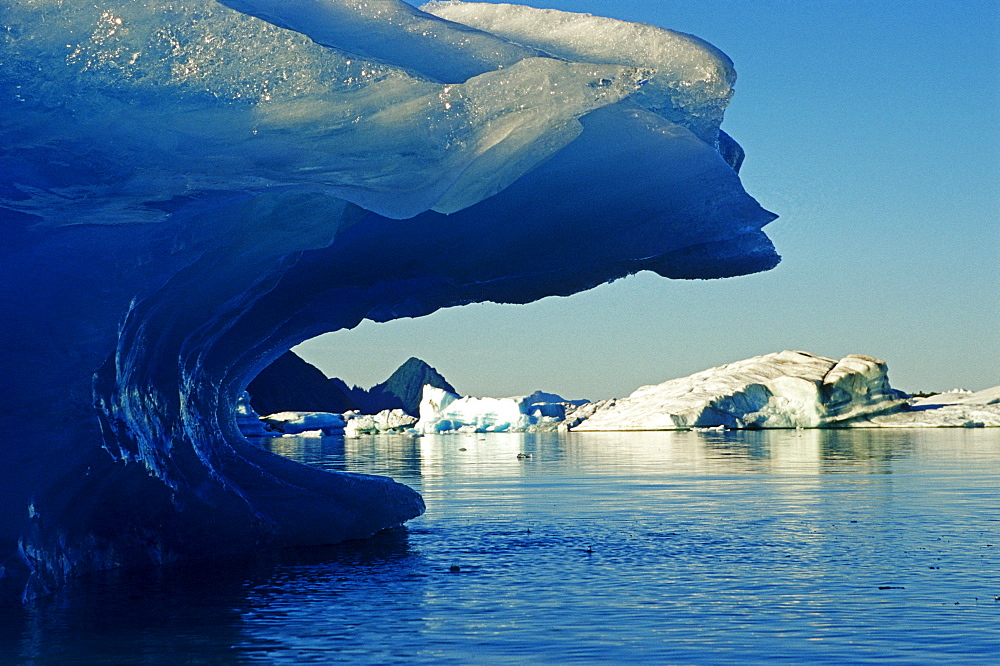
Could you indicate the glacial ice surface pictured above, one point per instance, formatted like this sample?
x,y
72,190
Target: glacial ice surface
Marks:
x,y
387,421
690,81
187,190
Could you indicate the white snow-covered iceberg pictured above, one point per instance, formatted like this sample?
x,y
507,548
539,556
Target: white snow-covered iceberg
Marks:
x,y
387,421
444,411
189,189
786,389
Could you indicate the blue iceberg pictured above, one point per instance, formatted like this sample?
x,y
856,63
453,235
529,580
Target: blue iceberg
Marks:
x,y
189,188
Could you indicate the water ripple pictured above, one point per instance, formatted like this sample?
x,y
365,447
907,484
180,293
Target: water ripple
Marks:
x,y
814,546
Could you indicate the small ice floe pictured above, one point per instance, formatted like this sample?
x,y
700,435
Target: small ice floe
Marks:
x,y
305,424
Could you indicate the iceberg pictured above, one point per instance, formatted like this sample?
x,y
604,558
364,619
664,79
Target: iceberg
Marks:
x,y
188,189
444,411
387,421
247,419
788,389
300,423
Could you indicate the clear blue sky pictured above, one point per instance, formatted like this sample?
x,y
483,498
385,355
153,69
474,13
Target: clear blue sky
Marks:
x,y
872,128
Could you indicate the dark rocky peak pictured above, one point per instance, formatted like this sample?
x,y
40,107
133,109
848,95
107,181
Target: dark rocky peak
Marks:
x,y
403,389
293,384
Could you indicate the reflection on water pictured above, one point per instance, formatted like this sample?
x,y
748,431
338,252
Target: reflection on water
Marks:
x,y
395,456
655,547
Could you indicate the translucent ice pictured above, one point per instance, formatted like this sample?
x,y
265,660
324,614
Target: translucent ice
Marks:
x,y
690,81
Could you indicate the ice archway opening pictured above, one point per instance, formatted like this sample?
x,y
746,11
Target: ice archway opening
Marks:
x,y
235,213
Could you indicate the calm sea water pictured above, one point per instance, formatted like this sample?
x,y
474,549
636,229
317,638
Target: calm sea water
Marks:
x,y
721,547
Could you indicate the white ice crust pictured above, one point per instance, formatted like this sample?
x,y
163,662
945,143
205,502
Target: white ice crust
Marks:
x,y
391,31
690,83
402,112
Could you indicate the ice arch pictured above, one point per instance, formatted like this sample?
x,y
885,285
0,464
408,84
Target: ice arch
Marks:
x,y
186,191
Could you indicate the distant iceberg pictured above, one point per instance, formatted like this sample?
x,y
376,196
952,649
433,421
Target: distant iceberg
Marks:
x,y
387,421
301,423
787,389
187,190
444,411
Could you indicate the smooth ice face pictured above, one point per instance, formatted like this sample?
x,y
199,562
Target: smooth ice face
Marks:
x,y
187,190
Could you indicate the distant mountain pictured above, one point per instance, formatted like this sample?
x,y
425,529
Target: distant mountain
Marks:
x,y
293,384
402,390
408,381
